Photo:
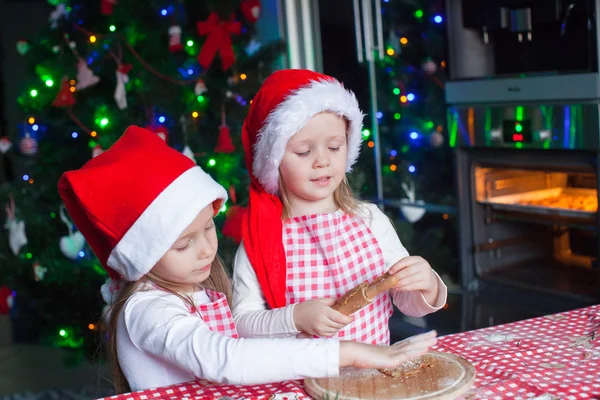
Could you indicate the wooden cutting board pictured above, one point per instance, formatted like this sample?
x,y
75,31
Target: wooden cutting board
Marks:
x,y
445,376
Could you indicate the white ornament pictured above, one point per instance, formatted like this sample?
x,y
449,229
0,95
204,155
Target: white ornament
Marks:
x,y
411,212
5,145
59,12
16,228
72,244
229,94
85,76
175,39
200,87
120,92
39,272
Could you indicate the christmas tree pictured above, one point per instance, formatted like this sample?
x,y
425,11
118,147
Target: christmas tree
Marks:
x,y
416,155
184,69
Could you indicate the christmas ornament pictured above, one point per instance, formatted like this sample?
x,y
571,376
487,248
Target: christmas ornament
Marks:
x,y
232,227
59,12
97,151
189,153
5,145
175,39
224,143
218,39
39,271
436,139
200,87
122,79
253,47
72,244
6,300
110,291
232,194
410,212
250,10
85,76
106,6
65,97
22,47
160,130
16,228
429,66
28,145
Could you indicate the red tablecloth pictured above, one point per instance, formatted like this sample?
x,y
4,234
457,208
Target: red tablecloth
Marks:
x,y
550,357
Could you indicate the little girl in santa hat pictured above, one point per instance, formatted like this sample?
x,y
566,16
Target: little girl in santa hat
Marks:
x,y
306,240
147,212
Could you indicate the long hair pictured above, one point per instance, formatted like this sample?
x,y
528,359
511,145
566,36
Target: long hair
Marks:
x,y
218,280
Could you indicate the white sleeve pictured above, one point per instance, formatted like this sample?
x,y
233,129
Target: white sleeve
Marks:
x,y
385,233
412,303
160,327
250,311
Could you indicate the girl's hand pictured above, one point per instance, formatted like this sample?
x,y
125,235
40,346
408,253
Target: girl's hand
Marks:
x,y
415,273
363,355
316,317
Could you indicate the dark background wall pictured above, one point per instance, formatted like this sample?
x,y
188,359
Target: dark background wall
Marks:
x,y
19,19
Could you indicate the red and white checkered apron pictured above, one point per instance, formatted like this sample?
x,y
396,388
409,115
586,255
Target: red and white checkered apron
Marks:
x,y
329,254
217,314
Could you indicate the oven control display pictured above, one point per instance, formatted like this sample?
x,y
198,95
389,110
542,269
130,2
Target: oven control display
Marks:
x,y
514,131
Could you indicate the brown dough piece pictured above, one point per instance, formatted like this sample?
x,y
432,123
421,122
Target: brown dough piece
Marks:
x,y
407,369
353,300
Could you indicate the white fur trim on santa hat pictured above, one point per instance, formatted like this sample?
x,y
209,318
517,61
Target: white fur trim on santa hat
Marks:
x,y
292,114
159,226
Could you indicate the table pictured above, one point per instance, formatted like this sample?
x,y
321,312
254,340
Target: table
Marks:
x,y
550,357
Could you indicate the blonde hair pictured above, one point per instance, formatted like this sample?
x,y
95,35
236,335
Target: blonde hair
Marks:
x,y
218,280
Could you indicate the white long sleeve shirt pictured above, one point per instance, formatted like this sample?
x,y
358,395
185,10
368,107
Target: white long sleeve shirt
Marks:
x,y
255,320
160,343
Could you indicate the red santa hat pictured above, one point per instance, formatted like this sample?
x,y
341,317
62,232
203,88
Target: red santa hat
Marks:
x,y
287,100
134,200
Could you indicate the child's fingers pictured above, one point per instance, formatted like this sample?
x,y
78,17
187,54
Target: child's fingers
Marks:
x,y
334,325
402,264
339,318
406,272
412,287
421,345
328,301
409,281
421,336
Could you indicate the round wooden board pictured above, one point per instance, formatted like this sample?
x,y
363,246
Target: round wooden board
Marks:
x,y
448,377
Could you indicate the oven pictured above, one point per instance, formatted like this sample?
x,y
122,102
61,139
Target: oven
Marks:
x,y
528,179
523,94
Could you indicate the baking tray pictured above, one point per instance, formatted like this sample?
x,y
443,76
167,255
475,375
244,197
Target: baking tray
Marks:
x,y
510,202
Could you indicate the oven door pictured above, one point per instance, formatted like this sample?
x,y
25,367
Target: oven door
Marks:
x,y
529,218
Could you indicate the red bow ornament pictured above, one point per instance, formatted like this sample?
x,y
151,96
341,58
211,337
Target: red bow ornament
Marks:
x,y
218,39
